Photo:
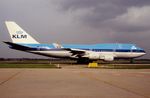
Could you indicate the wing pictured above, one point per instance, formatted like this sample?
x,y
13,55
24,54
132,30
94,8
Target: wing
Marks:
x,y
76,52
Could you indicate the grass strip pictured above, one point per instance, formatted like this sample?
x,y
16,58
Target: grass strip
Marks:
x,y
27,66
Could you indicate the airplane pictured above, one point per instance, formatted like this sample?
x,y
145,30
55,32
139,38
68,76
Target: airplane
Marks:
x,y
22,41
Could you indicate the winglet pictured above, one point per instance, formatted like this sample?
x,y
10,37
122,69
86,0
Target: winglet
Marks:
x,y
56,45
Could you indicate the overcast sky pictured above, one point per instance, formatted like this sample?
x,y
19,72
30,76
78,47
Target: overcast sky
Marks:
x,y
77,21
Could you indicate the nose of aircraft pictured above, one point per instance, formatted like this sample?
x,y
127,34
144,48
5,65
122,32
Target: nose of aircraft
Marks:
x,y
143,52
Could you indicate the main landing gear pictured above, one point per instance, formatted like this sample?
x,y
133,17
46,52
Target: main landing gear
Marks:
x,y
84,61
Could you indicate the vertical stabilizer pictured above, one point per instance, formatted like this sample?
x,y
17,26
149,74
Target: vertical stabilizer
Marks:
x,y
18,35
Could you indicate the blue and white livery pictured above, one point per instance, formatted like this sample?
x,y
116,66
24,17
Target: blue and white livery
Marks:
x,y
21,40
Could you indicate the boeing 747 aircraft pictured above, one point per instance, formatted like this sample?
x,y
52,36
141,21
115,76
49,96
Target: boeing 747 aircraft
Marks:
x,y
22,41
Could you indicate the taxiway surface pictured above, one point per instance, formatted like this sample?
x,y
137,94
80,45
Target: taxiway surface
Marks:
x,y
74,83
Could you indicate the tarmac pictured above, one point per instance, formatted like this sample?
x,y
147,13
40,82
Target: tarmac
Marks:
x,y
74,83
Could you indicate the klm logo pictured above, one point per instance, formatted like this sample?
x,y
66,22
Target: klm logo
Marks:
x,y
19,35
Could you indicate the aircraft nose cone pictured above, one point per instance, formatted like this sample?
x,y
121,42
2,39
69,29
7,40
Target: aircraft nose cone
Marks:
x,y
143,53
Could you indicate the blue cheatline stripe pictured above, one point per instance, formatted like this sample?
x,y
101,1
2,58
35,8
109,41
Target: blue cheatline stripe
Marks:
x,y
95,47
113,50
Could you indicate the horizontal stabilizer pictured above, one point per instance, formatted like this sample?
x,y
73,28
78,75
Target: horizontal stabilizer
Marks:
x,y
18,46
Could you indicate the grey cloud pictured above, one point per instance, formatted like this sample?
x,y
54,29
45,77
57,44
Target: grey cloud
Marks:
x,y
102,10
77,4
134,20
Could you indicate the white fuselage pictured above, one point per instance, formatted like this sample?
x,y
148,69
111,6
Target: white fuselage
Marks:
x,y
67,54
